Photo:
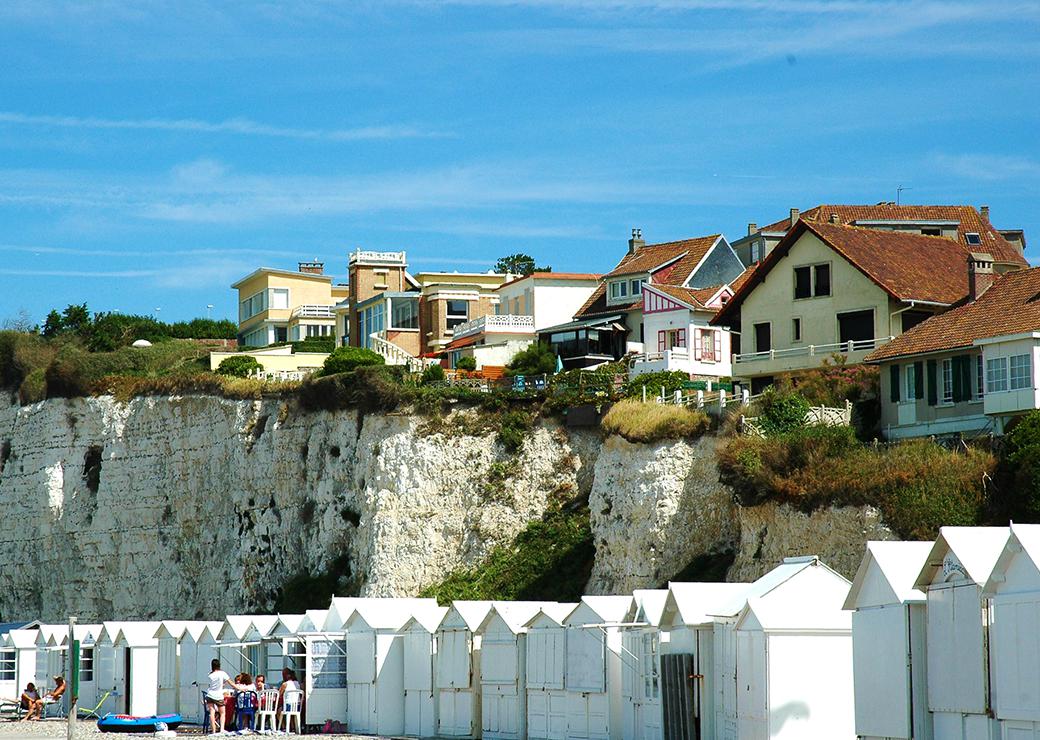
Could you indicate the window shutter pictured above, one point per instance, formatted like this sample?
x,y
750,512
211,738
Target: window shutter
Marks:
x,y
958,386
680,338
918,380
718,345
698,345
933,383
660,341
893,373
965,373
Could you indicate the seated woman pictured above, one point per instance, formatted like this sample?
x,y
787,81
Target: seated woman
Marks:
x,y
55,694
30,701
289,682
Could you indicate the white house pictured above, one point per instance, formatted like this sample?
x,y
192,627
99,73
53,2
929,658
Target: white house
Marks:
x,y
544,676
954,574
641,715
420,653
687,648
503,663
593,674
678,335
889,643
457,669
549,298
186,649
1014,590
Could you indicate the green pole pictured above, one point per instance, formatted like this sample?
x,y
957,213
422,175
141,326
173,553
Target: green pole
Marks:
x,y
72,678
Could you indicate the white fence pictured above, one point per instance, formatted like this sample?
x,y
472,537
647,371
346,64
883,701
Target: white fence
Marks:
x,y
812,350
816,416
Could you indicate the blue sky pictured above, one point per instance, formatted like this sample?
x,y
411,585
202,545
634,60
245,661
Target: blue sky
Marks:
x,y
151,153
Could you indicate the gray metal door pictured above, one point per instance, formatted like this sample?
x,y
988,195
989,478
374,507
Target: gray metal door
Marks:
x,y
679,685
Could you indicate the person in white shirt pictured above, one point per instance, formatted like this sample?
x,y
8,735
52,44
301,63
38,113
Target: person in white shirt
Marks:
x,y
217,679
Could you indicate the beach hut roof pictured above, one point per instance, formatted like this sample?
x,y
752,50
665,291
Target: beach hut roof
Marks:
x,y
22,638
647,606
796,614
887,573
552,614
6,627
779,575
515,614
235,627
472,613
691,604
289,624
599,610
971,551
390,613
429,619
1022,538
137,634
315,621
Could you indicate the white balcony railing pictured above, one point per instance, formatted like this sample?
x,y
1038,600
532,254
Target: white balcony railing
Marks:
x,y
812,350
378,258
505,324
314,311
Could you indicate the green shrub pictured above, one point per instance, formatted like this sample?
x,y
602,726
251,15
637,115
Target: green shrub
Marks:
x,y
369,388
345,359
467,363
315,344
513,429
432,374
239,366
1020,470
649,422
33,388
670,381
781,412
21,354
538,359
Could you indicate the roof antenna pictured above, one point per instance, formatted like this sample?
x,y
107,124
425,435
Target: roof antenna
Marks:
x,y
899,192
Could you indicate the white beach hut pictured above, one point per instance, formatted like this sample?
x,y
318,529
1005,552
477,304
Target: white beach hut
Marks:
x,y
754,694
457,669
49,659
593,674
953,576
239,641
641,717
503,664
685,706
140,653
889,642
545,667
420,654
18,661
186,649
375,664
1014,587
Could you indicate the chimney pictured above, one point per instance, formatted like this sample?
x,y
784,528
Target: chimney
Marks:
x,y
752,227
835,218
312,268
980,274
794,216
636,241
984,210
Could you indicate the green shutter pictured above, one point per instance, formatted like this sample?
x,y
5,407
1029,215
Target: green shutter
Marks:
x,y
933,383
893,375
966,376
918,380
961,379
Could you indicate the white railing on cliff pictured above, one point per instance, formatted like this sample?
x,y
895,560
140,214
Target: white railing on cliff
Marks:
x,y
504,324
816,416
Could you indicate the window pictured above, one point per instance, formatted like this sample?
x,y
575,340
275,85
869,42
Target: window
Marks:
x,y
294,653
812,281
996,375
281,334
648,659
947,380
756,251
763,338
328,665
619,289
931,231
315,330
911,383
709,345
7,665
802,282
670,339
637,287
458,313
973,238
86,664
1021,372
370,321
279,298
404,313
796,329
857,326
980,385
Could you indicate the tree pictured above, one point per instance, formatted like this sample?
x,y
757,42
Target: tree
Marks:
x,y
52,326
76,319
538,359
22,322
519,264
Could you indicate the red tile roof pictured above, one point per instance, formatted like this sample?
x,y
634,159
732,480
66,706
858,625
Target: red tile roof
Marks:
x,y
968,218
1010,306
906,266
653,256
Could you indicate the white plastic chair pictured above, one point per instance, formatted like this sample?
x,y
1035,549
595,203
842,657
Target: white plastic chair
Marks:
x,y
292,705
267,710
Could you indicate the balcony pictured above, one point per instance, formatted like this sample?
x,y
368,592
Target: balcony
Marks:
x,y
360,256
314,311
492,324
803,357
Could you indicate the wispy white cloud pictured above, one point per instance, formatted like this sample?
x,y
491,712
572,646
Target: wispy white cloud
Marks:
x,y
240,126
108,274
990,167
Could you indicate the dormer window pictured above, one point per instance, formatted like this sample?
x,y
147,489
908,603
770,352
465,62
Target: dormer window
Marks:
x,y
637,287
973,238
619,289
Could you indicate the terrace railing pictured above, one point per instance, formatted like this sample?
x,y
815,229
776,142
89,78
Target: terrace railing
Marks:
x,y
811,350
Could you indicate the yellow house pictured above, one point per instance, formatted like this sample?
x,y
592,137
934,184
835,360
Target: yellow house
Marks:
x,y
830,289
284,306
449,299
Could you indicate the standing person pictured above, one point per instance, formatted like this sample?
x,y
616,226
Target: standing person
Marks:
x,y
215,695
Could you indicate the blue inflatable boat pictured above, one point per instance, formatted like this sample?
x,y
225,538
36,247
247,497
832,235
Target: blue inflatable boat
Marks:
x,y
126,723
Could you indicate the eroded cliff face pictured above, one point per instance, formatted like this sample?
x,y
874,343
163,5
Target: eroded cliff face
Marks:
x,y
185,507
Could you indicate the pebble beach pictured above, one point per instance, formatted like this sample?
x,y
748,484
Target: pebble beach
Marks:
x,y
56,728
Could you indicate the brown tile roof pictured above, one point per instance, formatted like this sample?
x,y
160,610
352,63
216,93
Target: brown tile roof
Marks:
x,y
1010,306
906,266
651,257
968,218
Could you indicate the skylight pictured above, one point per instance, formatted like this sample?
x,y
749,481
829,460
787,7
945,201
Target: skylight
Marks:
x,y
973,238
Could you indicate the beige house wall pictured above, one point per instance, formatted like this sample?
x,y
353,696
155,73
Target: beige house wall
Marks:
x,y
282,362
303,290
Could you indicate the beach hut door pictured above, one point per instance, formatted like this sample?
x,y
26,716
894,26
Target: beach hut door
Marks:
x,y
678,683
